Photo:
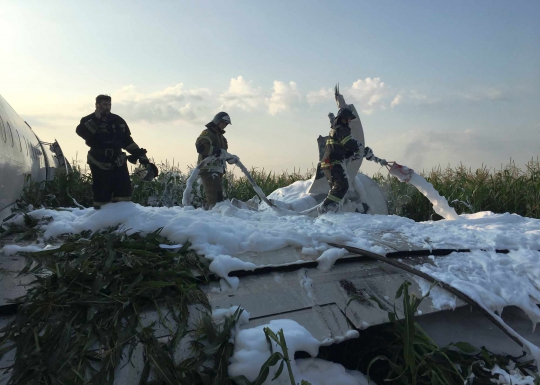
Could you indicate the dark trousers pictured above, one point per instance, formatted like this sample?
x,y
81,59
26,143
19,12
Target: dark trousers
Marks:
x,y
339,184
213,188
110,185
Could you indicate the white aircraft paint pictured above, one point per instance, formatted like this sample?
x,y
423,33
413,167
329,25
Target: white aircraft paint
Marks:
x,y
320,186
21,154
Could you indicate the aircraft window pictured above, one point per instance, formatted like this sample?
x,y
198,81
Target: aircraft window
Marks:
x,y
11,135
3,130
20,144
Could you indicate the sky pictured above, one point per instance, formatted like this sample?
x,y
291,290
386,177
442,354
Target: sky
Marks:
x,y
435,82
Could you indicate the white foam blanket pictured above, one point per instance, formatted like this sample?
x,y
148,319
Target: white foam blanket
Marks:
x,y
225,232
222,234
251,350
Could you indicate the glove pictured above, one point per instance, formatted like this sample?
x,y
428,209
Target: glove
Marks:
x,y
368,153
358,154
383,162
132,159
233,159
216,152
144,160
138,154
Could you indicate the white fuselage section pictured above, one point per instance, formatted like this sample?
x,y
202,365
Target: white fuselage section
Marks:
x,y
21,154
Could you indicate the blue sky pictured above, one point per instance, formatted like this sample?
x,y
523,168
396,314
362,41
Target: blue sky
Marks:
x,y
435,82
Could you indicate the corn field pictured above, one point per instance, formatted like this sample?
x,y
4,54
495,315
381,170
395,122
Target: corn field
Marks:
x,y
510,189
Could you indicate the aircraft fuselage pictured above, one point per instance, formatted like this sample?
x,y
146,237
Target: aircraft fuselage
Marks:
x,y
21,154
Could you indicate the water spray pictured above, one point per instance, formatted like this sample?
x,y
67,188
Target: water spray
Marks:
x,y
407,175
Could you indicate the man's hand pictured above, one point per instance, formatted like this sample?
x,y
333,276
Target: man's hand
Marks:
x,y
368,153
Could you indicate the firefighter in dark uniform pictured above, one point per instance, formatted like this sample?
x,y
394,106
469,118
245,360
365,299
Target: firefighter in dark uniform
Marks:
x,y
212,142
340,148
107,134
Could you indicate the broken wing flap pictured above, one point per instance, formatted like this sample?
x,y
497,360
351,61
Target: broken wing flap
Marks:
x,y
321,142
63,163
340,100
320,185
452,290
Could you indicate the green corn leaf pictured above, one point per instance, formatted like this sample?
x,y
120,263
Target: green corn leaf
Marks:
x,y
280,369
465,347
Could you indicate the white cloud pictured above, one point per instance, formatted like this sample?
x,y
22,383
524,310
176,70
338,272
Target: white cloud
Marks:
x,y
171,104
370,94
479,94
423,149
397,100
242,94
283,97
322,95
418,98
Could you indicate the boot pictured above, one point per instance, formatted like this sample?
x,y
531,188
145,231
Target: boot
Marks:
x,y
331,207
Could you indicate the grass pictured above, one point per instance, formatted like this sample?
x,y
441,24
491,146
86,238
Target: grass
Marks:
x,y
509,189
87,311
75,189
86,315
82,317
405,354
275,357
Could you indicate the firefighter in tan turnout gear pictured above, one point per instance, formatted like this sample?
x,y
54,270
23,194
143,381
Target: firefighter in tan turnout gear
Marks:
x,y
107,134
212,142
340,148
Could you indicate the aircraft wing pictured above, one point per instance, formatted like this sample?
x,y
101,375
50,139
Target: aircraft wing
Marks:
x,y
320,184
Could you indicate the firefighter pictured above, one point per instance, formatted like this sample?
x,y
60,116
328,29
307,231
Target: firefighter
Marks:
x,y
212,142
340,148
107,134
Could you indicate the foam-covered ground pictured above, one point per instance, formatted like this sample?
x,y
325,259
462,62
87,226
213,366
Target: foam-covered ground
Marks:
x,y
231,231
224,233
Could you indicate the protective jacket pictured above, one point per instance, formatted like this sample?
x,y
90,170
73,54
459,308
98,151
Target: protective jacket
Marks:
x,y
340,145
208,141
106,139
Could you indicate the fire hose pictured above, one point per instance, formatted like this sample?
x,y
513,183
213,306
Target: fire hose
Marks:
x,y
186,197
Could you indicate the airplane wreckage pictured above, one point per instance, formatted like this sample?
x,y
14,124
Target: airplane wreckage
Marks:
x,y
286,283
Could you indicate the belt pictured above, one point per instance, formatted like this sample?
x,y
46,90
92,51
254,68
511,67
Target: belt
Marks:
x,y
108,152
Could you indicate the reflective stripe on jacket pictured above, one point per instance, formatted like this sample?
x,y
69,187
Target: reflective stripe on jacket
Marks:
x,y
339,146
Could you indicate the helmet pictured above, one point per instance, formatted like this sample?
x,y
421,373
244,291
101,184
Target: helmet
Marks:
x,y
221,116
345,113
146,172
